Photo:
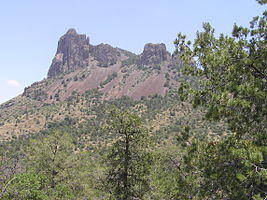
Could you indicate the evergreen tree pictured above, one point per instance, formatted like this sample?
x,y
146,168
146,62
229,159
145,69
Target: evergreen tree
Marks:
x,y
53,170
233,87
129,160
233,75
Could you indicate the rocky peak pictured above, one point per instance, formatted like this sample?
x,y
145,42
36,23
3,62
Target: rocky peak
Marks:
x,y
154,54
71,31
72,53
105,54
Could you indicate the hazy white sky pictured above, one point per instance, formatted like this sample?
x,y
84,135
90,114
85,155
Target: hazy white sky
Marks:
x,y
30,29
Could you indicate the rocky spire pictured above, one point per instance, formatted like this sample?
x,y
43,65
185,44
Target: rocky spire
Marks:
x,y
72,53
154,54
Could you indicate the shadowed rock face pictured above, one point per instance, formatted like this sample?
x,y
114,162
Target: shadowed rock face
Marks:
x,y
105,54
154,54
72,53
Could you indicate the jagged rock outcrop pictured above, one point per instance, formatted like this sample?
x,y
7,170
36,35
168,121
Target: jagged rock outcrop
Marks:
x,y
72,53
154,54
105,54
84,75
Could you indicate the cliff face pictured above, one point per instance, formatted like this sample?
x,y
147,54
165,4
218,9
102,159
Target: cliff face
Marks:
x,y
85,75
72,53
154,54
105,54
111,70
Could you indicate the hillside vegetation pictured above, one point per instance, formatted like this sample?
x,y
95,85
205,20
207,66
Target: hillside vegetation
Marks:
x,y
109,124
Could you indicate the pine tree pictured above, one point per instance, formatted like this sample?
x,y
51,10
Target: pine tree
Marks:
x,y
129,160
233,87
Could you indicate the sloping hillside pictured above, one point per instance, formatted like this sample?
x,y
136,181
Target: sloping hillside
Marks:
x,y
83,77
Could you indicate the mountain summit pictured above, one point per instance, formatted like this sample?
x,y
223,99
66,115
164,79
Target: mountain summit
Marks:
x,y
72,52
154,54
80,69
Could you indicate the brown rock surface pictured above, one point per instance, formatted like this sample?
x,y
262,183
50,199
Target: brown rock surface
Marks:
x,y
105,54
72,53
154,54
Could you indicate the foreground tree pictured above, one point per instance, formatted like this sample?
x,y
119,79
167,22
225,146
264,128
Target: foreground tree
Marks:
x,y
53,170
227,169
52,156
129,160
233,87
8,169
26,186
233,71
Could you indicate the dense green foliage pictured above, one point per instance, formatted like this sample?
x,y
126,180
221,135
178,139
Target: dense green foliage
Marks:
x,y
129,162
234,75
114,155
51,170
233,86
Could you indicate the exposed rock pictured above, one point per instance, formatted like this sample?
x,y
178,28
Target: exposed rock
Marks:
x,y
7,104
35,91
72,53
28,90
105,54
175,62
154,54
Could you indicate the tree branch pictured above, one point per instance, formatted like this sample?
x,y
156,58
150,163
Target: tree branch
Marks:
x,y
5,187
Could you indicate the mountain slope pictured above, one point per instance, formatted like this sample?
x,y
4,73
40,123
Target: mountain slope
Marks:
x,y
84,77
